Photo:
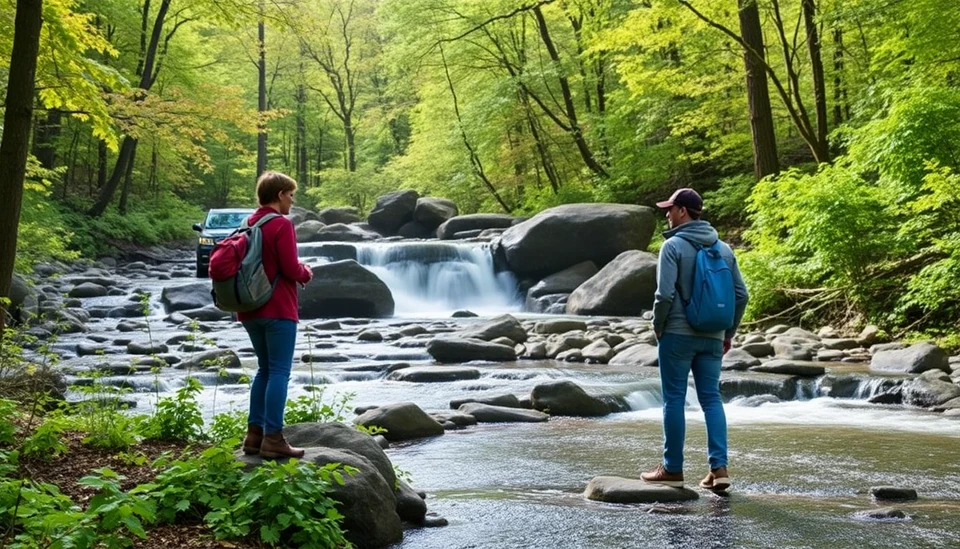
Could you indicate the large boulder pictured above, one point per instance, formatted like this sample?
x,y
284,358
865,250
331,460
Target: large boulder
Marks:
x,y
414,229
914,359
625,286
563,282
566,398
299,215
340,232
432,212
465,350
473,222
563,236
308,230
629,490
220,358
345,289
186,297
367,502
87,289
641,354
486,413
500,326
392,210
338,435
345,215
403,421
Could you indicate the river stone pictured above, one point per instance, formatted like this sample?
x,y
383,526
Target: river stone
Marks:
x,y
341,232
748,384
914,359
308,230
559,326
625,286
344,215
738,359
316,358
412,229
830,355
145,348
432,212
186,297
869,335
130,310
535,351
570,355
927,392
434,374
777,329
500,326
345,289
367,501
465,350
338,435
565,281
952,404
640,354
800,333
392,210
839,386
792,348
411,506
599,352
893,493
300,215
565,235
841,344
225,358
403,421
504,341
790,367
757,401
370,335
883,513
463,314
87,289
566,398
473,222
485,413
627,490
507,401
553,304
758,350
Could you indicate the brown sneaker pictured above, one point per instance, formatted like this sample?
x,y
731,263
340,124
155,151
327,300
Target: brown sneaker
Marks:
x,y
717,480
251,442
661,476
275,447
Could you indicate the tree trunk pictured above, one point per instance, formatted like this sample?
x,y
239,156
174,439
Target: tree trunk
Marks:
x,y
261,98
765,160
45,136
147,77
839,89
15,140
127,177
101,164
819,85
349,132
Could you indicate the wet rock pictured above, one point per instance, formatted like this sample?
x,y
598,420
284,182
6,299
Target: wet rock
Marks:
x,y
570,355
392,210
840,386
485,413
883,513
830,355
551,304
434,374
370,335
338,435
891,396
623,287
432,212
563,282
789,348
790,367
563,236
559,326
130,310
299,215
323,358
340,232
565,398
186,297
893,493
535,351
137,348
756,401
307,230
413,330
800,333
403,421
150,362
344,215
500,326
895,346
457,419
412,229
840,344
432,520
929,391
225,358
410,505
640,354
87,289
465,350
598,352
345,288
627,490
88,349
738,359
507,400
463,314
914,359
952,404
747,384
473,222
207,314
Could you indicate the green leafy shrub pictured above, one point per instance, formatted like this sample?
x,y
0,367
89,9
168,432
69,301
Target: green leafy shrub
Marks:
x,y
45,443
99,417
178,418
228,425
311,408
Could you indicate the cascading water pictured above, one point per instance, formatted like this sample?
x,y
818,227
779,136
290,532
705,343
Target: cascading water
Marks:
x,y
432,278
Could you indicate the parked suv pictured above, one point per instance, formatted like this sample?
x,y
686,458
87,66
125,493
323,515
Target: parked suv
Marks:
x,y
219,224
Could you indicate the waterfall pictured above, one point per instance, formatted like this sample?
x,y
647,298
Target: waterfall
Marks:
x,y
432,278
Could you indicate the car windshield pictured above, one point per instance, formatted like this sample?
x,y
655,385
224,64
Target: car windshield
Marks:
x,y
225,220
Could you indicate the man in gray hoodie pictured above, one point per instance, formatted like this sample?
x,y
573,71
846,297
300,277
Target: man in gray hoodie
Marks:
x,y
682,349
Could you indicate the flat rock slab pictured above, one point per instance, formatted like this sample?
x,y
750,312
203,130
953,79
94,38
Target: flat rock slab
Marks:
x,y
486,413
790,367
628,490
893,493
434,374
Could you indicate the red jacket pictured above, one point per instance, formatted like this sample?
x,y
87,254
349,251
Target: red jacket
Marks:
x,y
279,256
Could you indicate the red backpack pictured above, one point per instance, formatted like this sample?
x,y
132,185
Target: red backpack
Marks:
x,y
236,269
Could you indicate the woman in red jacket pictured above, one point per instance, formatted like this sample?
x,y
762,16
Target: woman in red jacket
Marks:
x,y
273,327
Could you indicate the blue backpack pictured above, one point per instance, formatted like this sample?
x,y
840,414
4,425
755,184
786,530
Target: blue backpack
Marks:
x,y
712,303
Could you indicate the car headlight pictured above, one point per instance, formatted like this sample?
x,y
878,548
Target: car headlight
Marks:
x,y
204,241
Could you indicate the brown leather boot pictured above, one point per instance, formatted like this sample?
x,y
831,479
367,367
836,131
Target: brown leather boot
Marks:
x,y
275,447
251,442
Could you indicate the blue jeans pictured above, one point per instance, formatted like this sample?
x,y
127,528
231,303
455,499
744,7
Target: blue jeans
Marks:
x,y
678,355
273,340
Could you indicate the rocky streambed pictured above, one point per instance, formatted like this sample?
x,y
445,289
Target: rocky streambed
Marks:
x,y
503,421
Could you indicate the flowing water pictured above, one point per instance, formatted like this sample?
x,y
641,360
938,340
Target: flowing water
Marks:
x,y
802,468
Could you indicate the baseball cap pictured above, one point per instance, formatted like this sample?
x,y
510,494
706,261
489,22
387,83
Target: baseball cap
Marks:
x,y
685,198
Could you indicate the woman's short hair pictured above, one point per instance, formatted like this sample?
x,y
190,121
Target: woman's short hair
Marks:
x,y
271,184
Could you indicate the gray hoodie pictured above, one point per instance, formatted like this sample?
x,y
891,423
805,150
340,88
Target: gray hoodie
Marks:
x,y
676,267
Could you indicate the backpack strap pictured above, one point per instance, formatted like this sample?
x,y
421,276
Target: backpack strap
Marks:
x,y
244,226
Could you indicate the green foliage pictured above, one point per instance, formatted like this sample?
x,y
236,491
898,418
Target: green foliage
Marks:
x,y
358,189
311,408
228,425
8,429
114,513
285,503
178,418
45,443
100,419
43,234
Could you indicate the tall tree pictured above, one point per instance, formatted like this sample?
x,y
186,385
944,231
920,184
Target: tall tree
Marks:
x,y
261,95
765,161
15,141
